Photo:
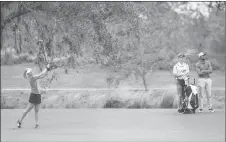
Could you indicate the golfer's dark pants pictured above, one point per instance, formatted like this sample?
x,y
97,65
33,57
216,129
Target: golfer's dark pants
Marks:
x,y
180,92
35,98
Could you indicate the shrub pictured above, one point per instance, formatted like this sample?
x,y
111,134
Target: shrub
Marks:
x,y
3,103
26,58
8,103
137,104
130,100
163,66
7,59
167,101
114,103
133,104
10,59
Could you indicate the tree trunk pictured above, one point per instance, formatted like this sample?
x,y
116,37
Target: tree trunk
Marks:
x,y
15,41
19,31
20,43
142,57
144,82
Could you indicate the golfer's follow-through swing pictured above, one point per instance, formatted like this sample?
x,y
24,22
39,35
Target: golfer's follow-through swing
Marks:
x,y
35,96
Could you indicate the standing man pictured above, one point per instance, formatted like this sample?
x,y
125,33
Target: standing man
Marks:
x,y
204,69
180,72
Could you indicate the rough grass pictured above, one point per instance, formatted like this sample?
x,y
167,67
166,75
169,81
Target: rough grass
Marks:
x,y
103,99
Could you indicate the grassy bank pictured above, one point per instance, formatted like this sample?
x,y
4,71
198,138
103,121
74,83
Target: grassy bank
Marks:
x,y
103,99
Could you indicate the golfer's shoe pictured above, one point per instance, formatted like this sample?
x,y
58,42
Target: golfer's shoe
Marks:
x,y
36,126
180,111
18,123
201,110
211,110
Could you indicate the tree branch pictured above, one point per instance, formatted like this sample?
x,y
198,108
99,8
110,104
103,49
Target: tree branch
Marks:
x,y
13,15
6,3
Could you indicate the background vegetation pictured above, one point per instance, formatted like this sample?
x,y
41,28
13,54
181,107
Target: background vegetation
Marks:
x,y
123,38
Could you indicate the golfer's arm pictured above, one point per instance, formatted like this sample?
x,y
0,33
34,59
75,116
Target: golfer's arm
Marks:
x,y
198,70
41,75
187,71
210,70
176,75
175,72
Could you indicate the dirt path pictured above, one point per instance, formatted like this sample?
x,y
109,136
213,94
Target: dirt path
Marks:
x,y
114,125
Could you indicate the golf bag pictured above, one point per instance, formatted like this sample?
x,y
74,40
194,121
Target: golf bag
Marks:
x,y
189,96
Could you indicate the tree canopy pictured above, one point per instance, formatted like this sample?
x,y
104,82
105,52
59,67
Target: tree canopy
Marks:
x,y
127,37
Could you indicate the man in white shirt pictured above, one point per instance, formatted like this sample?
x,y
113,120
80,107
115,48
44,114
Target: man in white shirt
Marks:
x,y
180,71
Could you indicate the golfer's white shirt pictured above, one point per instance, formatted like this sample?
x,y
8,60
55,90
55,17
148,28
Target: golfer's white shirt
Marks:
x,y
181,69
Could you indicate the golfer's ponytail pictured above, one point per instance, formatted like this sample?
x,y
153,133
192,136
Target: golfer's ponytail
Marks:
x,y
25,74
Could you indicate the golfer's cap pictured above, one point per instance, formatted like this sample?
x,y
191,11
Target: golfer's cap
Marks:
x,y
27,70
202,54
180,55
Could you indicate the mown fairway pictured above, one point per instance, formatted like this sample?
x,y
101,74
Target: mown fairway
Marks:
x,y
114,125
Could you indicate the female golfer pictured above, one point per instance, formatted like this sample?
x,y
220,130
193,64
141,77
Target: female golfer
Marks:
x,y
35,96
181,71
